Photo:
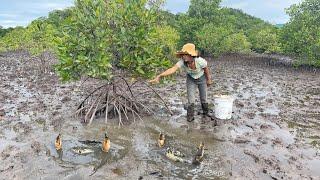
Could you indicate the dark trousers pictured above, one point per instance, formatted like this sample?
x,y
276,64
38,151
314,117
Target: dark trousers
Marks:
x,y
192,85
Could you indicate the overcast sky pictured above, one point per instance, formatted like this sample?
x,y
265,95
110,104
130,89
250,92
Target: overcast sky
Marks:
x,y
22,12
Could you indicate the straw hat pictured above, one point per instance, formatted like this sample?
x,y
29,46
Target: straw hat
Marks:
x,y
187,49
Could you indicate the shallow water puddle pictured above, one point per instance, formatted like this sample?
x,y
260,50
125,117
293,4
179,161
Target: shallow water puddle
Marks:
x,y
79,152
139,140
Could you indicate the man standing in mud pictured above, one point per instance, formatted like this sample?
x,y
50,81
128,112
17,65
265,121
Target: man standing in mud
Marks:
x,y
198,76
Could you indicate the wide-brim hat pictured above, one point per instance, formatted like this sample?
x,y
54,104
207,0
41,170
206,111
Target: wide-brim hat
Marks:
x,y
189,49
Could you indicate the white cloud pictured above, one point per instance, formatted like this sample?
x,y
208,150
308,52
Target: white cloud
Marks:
x,y
272,11
8,21
13,23
239,5
281,5
22,12
7,15
51,5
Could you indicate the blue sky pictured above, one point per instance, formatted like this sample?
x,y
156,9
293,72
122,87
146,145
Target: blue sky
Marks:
x,y
22,12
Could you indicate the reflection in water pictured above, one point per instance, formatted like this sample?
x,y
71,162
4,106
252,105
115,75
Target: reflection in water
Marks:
x,y
60,154
102,162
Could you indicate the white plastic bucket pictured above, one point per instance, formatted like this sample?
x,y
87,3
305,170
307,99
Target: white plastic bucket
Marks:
x,y
223,106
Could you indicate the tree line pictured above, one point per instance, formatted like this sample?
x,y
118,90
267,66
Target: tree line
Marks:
x,y
95,37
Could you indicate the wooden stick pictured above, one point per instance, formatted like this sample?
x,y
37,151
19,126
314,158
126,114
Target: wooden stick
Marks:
x,y
95,110
86,116
119,114
107,109
124,112
159,97
92,94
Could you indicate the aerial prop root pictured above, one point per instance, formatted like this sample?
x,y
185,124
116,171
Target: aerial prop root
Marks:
x,y
118,98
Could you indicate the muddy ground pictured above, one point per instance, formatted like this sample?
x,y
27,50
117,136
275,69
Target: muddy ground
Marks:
x,y
274,132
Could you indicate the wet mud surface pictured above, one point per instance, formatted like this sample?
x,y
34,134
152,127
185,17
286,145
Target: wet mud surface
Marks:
x,y
274,132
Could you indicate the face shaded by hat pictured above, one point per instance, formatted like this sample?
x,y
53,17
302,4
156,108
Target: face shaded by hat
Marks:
x,y
187,49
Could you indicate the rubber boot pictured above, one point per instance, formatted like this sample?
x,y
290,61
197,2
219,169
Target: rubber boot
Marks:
x,y
205,109
190,113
